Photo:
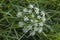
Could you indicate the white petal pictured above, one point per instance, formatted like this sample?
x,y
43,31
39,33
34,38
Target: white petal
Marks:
x,y
30,11
38,17
43,19
29,27
33,15
31,6
32,33
19,14
41,24
36,10
21,24
25,30
32,20
35,29
40,30
25,10
26,18
35,24
43,13
35,21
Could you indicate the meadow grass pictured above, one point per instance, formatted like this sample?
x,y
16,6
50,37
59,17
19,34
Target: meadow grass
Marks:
x,y
10,30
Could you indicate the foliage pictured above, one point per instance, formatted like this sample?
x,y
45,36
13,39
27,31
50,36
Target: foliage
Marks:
x,y
9,29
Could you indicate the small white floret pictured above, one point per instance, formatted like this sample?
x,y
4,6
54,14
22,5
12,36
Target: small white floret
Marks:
x,y
32,15
26,18
31,6
25,30
29,27
36,29
19,14
40,30
32,20
38,17
30,11
35,24
43,19
21,24
25,10
32,33
36,10
41,24
43,13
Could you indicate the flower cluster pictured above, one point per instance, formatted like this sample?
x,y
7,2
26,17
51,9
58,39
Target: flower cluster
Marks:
x,y
32,20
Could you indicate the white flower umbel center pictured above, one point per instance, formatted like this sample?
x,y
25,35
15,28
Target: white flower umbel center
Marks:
x,y
32,20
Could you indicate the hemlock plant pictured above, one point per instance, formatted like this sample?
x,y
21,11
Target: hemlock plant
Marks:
x,y
33,18
29,19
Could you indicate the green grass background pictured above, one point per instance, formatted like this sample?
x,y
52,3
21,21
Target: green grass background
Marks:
x,y
9,29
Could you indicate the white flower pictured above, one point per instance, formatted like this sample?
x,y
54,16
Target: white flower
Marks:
x,y
32,20
35,21
38,17
32,33
43,16
43,19
35,24
26,18
40,30
21,24
25,10
43,13
30,11
35,29
25,30
29,27
41,24
32,15
36,10
19,14
31,6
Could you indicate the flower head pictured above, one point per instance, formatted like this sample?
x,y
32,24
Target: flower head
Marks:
x,y
36,10
21,24
19,14
25,10
26,18
40,30
31,6
33,21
